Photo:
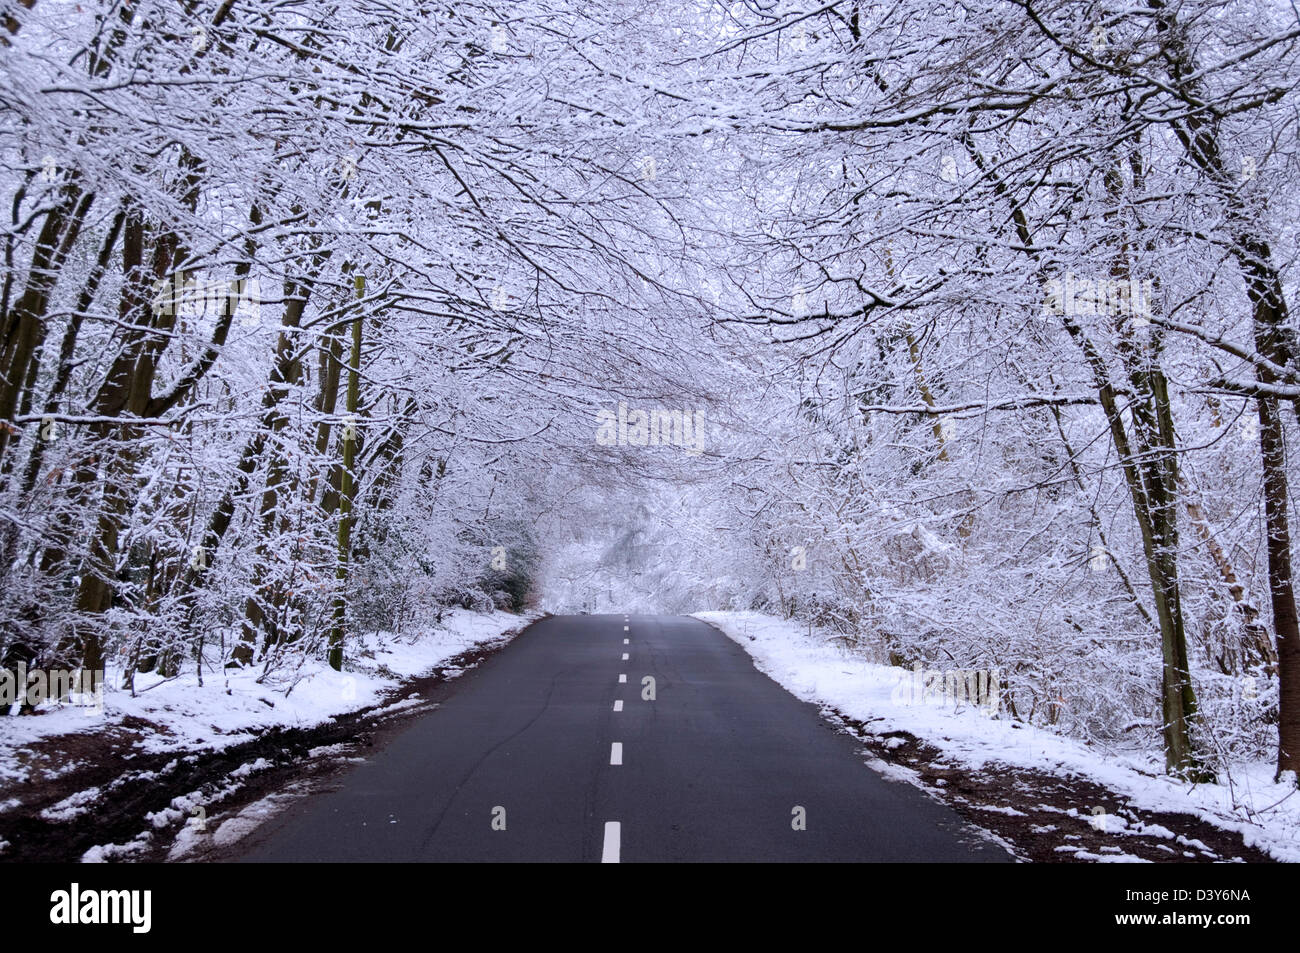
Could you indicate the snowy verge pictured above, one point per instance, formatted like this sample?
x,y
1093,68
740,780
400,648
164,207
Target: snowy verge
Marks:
x,y
232,707
1249,803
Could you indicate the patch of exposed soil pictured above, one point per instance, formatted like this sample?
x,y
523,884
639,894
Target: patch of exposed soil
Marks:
x,y
1050,818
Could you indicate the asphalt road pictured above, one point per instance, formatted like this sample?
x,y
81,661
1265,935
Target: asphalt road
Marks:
x,y
549,752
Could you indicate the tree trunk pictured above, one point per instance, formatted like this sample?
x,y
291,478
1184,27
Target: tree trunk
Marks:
x,y
346,492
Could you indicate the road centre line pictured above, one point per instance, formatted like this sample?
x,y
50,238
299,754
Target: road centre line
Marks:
x,y
609,853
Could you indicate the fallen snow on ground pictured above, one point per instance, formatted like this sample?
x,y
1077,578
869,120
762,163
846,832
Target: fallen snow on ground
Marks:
x,y
816,670
232,707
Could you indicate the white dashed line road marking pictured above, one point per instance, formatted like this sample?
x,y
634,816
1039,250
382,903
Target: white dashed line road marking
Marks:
x,y
625,641
609,855
618,705
616,753
622,679
626,629
624,656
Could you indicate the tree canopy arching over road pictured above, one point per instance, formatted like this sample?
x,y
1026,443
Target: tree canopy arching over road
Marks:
x,y
962,329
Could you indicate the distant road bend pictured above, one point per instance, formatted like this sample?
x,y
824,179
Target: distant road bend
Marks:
x,y
551,750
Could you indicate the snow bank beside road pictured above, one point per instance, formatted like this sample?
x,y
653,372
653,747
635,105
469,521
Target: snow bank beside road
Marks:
x,y
231,707
811,668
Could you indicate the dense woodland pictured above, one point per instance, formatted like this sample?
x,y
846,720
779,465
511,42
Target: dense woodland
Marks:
x,y
981,312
